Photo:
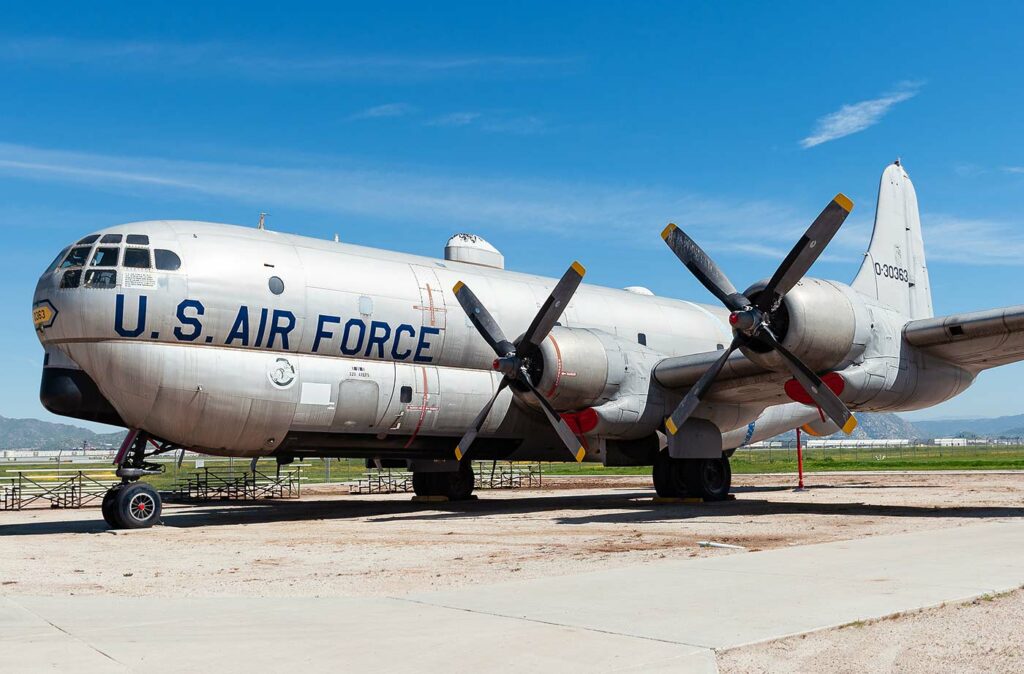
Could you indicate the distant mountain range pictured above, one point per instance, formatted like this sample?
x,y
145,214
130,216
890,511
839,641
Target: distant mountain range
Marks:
x,y
1011,426
37,434
876,426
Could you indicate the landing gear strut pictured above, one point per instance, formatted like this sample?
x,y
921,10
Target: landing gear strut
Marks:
x,y
709,479
133,504
456,486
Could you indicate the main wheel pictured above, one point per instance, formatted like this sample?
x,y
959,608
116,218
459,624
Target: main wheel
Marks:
x,y
426,484
109,513
709,478
136,506
669,476
460,484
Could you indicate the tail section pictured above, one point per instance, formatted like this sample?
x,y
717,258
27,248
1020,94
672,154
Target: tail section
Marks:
x,y
894,270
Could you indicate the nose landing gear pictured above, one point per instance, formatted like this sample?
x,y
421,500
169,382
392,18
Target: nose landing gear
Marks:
x,y
133,504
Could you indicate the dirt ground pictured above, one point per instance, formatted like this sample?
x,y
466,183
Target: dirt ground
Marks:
x,y
339,545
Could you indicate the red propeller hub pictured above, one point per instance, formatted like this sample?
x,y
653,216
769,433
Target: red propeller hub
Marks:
x,y
733,318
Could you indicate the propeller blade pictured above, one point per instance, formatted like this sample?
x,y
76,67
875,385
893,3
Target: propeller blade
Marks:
x,y
564,432
689,403
553,307
704,268
482,320
829,403
806,251
478,423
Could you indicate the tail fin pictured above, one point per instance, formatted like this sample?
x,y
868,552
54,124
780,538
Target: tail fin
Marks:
x,y
894,270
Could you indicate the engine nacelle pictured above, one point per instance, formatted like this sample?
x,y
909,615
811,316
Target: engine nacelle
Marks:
x,y
581,368
824,324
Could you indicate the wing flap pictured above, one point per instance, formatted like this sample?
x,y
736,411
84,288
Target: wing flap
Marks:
x,y
976,341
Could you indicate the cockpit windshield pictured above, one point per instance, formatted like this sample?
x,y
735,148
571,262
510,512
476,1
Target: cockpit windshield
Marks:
x,y
101,255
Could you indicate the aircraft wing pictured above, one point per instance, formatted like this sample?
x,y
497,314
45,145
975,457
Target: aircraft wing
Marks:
x,y
975,341
741,380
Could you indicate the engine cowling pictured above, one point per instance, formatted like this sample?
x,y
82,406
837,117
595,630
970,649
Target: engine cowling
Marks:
x,y
823,323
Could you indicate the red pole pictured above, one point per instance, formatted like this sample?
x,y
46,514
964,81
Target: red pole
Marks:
x,y
799,460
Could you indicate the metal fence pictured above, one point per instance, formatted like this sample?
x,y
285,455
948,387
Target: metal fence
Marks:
x,y
825,455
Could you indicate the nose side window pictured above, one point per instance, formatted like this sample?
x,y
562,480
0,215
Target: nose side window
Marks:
x,y
167,260
100,278
71,278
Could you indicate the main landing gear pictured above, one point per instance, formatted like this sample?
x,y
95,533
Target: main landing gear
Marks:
x,y
455,486
133,504
708,479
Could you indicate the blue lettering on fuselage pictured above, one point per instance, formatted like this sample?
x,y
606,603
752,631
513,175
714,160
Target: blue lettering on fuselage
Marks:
x,y
333,335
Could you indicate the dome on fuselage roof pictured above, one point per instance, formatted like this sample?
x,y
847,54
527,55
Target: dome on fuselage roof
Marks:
x,y
474,250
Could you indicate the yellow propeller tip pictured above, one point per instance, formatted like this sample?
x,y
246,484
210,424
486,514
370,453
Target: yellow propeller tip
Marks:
x,y
458,287
665,233
670,426
850,425
844,202
458,454
578,268
580,453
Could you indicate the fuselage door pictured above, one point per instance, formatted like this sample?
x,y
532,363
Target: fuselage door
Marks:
x,y
432,307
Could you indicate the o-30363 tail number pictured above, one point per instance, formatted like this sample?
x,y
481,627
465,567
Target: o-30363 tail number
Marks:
x,y
889,271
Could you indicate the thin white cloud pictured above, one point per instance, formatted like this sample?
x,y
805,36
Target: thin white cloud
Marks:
x,y
454,119
526,125
427,197
855,117
1013,169
383,111
264,62
621,214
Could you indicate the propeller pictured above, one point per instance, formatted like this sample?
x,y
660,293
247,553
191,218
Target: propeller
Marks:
x,y
751,320
514,358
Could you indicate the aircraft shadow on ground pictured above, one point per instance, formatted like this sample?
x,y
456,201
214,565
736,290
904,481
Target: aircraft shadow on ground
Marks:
x,y
617,507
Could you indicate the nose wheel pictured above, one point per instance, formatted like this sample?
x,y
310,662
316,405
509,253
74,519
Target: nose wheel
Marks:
x,y
132,506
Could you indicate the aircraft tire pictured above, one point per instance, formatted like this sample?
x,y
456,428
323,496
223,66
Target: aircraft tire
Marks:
x,y
137,506
109,514
710,479
426,484
460,484
669,476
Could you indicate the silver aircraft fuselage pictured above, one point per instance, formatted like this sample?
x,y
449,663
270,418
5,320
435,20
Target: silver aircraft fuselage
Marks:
x,y
257,338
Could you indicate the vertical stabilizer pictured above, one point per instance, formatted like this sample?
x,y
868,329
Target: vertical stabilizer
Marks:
x,y
894,270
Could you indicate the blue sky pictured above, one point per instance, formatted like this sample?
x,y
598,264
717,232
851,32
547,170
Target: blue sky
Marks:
x,y
564,131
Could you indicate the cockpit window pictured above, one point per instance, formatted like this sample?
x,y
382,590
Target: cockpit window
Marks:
x,y
89,239
71,278
137,239
105,257
100,278
166,260
136,258
111,238
77,257
56,260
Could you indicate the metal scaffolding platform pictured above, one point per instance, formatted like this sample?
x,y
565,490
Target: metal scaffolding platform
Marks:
x,y
487,475
60,487
225,484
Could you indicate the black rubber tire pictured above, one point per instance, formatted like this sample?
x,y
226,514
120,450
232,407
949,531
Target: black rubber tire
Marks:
x,y
669,476
425,484
460,484
109,513
710,479
137,506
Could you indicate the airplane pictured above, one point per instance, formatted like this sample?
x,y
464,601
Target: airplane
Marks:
x,y
245,342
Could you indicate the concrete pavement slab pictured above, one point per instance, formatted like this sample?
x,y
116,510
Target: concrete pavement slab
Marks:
x,y
738,599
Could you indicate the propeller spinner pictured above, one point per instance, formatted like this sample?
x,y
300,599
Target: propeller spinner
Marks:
x,y
751,319
513,358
